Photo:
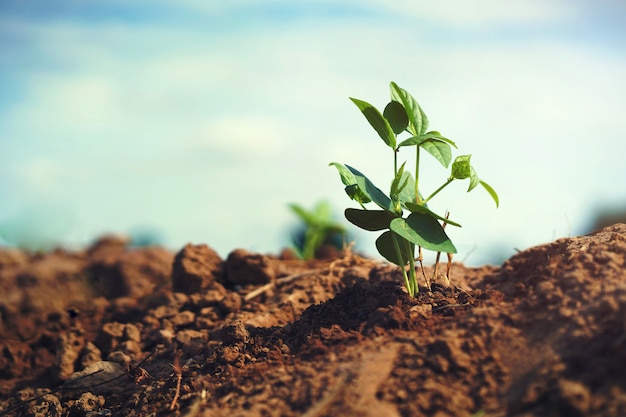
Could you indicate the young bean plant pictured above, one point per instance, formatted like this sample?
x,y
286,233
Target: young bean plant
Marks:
x,y
318,228
421,228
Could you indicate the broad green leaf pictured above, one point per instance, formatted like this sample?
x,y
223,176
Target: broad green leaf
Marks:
x,y
416,140
461,167
396,116
386,245
436,135
418,122
371,191
378,122
416,208
371,220
435,146
423,230
491,192
440,150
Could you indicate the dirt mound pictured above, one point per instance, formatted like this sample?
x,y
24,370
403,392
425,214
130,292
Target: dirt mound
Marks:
x,y
132,332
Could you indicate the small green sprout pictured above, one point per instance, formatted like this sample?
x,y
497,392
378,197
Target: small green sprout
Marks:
x,y
421,228
318,229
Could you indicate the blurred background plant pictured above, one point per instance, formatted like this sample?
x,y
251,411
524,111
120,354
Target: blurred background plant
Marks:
x,y
317,229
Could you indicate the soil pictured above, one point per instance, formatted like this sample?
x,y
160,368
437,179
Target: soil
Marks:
x,y
121,331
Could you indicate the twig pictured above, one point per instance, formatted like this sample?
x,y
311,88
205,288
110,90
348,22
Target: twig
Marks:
x,y
284,280
278,281
449,266
178,371
421,261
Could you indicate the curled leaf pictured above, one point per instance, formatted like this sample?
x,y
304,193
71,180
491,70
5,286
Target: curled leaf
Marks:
x,y
491,192
461,167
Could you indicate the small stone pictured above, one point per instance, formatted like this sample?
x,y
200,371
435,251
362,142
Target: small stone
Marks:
x,y
69,347
183,318
231,303
245,268
90,354
195,267
119,357
131,332
100,378
574,397
186,336
86,403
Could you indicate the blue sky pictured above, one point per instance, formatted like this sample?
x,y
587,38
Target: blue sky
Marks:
x,y
202,121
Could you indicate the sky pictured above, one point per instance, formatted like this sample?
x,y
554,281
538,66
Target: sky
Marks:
x,y
200,121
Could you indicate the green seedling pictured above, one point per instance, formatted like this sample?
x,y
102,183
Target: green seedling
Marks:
x,y
421,228
318,229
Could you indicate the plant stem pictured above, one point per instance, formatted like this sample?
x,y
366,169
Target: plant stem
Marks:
x,y
444,185
403,267
395,162
413,278
417,175
447,277
420,258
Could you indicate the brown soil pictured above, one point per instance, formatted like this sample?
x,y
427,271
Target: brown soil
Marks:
x,y
115,331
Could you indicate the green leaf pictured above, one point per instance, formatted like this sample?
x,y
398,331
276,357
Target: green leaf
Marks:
x,y
396,185
435,146
416,140
423,230
371,220
473,179
371,191
302,213
418,122
417,208
491,192
413,140
440,150
386,245
352,189
378,122
436,135
461,167
346,176
408,192
355,193
320,216
396,116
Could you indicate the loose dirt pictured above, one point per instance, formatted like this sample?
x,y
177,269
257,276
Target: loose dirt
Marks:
x,y
117,331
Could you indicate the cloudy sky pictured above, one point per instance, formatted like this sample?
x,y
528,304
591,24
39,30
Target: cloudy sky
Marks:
x,y
202,120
